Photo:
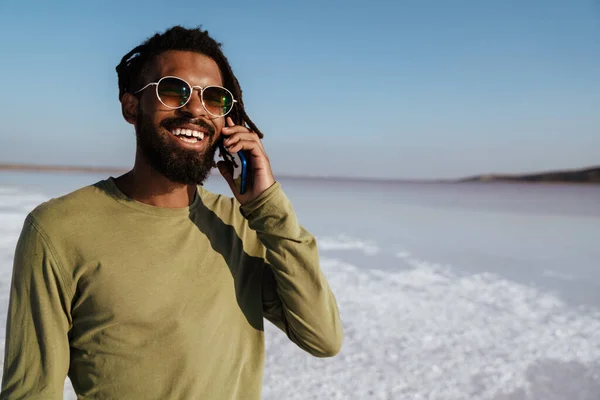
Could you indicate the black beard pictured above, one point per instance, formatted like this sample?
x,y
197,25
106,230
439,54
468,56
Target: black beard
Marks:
x,y
179,165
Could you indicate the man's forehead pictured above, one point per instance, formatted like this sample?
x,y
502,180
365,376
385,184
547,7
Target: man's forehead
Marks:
x,y
190,63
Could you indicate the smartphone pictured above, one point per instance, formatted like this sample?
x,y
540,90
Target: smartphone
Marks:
x,y
240,166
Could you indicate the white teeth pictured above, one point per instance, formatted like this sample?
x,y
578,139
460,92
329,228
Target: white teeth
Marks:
x,y
191,140
189,133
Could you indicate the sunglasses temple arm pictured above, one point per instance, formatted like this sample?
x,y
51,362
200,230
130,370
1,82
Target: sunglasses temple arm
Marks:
x,y
150,84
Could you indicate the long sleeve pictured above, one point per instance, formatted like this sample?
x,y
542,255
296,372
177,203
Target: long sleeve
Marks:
x,y
36,358
296,295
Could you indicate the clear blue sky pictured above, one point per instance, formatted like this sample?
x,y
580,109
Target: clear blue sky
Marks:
x,y
400,89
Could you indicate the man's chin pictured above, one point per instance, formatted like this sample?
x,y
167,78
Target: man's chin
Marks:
x,y
187,176
187,167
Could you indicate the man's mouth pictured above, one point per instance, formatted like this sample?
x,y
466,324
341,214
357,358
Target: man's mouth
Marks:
x,y
188,135
190,131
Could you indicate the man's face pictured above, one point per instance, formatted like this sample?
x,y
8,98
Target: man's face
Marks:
x,y
156,126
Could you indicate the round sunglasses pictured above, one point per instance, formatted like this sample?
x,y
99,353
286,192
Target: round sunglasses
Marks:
x,y
174,93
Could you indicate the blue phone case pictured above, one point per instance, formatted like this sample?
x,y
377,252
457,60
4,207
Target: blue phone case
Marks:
x,y
240,167
244,172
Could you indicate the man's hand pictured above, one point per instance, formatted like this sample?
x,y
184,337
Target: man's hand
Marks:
x,y
260,176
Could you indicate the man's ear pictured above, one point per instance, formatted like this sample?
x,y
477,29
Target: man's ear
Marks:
x,y
129,108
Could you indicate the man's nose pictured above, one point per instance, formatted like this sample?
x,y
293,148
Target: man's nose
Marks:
x,y
194,107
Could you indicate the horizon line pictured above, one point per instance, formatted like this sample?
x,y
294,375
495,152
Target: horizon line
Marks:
x,y
27,167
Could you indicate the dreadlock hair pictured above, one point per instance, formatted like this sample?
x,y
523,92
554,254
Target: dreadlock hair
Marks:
x,y
137,61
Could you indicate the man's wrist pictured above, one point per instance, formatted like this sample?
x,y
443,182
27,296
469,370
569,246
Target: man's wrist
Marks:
x,y
260,201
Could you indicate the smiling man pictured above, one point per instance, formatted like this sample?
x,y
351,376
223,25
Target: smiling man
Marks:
x,y
148,286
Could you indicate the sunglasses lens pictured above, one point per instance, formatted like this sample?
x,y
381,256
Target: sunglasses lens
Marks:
x,y
217,100
173,92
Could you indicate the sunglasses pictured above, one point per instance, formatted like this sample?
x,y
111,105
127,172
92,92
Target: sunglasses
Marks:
x,y
174,93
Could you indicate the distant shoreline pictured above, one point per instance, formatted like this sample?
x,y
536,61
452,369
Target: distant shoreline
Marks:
x,y
586,175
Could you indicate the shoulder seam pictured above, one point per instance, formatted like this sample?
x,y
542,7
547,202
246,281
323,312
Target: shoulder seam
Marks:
x,y
61,273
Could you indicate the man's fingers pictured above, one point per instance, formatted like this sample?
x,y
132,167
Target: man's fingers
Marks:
x,y
235,133
236,137
248,145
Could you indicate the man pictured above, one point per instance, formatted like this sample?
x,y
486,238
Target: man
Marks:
x,y
148,286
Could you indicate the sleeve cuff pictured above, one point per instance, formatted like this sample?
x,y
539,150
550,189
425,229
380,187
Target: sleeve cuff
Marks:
x,y
266,200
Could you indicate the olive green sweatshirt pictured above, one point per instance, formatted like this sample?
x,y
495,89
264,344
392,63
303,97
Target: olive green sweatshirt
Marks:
x,y
134,301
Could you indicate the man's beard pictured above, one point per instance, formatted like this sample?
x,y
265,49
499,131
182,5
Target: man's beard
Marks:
x,y
179,165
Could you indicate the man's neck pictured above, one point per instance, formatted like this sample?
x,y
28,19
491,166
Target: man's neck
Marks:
x,y
146,185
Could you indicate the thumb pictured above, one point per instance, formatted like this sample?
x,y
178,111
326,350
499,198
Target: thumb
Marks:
x,y
226,170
